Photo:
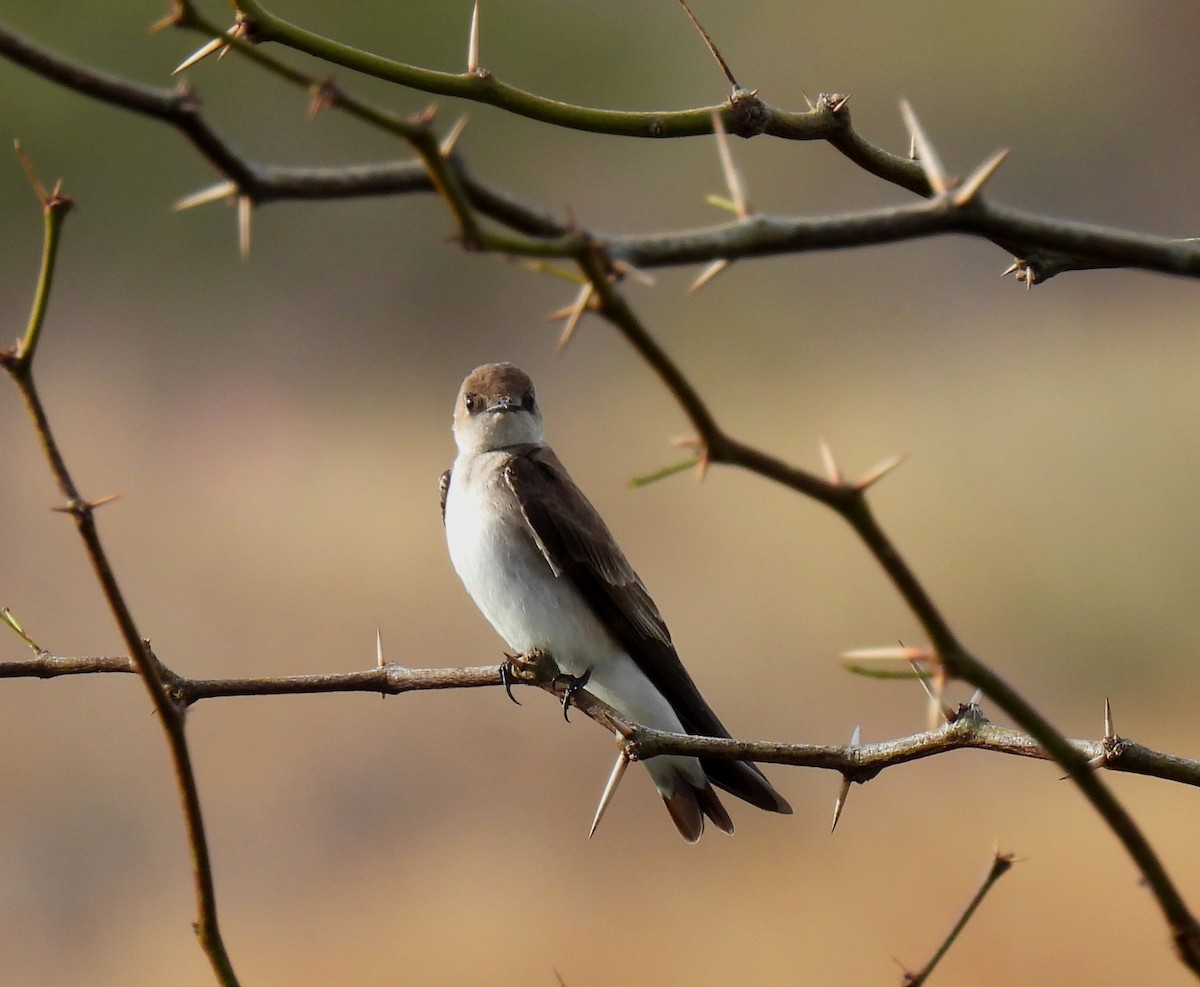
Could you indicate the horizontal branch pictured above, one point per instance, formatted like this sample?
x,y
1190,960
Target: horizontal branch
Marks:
x,y
970,730
744,113
1045,245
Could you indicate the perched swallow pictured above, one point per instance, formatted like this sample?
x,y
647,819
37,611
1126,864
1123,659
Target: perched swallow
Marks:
x,y
547,573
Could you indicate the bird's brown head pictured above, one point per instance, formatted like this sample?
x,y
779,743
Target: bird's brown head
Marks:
x,y
496,408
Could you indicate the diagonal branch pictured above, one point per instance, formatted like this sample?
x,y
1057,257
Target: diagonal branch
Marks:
x,y
19,365
850,502
1001,863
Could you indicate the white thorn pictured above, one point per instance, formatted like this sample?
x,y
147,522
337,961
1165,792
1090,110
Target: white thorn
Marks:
x,y
222,190
448,142
928,158
879,471
831,466
710,272
976,180
473,42
244,206
198,54
614,779
576,313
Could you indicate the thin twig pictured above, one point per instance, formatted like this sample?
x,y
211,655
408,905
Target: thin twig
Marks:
x,y
1001,863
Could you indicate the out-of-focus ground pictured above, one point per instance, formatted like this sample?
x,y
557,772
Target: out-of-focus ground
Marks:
x,y
277,427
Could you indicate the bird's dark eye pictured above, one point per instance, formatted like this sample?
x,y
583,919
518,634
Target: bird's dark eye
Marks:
x,y
471,401
527,401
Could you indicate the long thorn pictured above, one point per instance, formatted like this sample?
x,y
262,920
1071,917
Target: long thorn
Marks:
x,y
576,313
711,47
473,43
832,472
614,779
879,471
451,138
244,206
844,791
222,190
200,53
978,178
928,158
733,180
710,272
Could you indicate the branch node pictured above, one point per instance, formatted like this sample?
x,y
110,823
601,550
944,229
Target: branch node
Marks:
x,y
322,96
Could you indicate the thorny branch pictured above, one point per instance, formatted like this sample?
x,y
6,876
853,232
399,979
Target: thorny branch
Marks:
x,y
1044,248
18,362
967,729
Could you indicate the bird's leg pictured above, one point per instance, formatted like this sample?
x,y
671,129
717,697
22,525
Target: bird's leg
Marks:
x,y
530,667
573,684
508,676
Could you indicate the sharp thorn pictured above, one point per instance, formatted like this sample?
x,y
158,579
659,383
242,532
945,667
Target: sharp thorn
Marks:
x,y
927,156
710,272
610,789
200,53
831,467
711,47
222,190
473,42
878,472
978,178
840,802
733,180
451,139
244,206
573,317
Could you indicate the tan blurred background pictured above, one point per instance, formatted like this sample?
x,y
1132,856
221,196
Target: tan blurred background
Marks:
x,y
277,427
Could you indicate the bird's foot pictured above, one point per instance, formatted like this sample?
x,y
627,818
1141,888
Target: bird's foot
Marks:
x,y
573,684
531,668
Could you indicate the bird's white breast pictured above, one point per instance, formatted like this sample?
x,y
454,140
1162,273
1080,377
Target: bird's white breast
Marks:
x,y
509,579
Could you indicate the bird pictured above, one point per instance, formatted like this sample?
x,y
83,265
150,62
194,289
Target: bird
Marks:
x,y
546,572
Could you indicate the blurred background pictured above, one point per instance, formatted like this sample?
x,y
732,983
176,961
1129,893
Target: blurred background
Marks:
x,y
277,426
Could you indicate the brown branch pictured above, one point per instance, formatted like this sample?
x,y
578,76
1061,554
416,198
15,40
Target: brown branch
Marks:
x,y
860,763
18,363
1046,246
849,501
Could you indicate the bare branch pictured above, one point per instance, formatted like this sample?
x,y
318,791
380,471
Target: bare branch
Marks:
x,y
1001,863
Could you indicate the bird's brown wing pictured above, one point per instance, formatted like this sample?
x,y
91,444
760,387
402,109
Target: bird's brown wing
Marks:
x,y
578,547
